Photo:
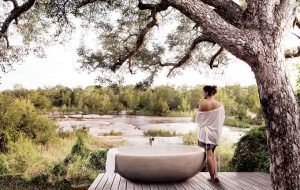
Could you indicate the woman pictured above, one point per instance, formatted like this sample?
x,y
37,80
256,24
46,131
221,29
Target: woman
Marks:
x,y
210,119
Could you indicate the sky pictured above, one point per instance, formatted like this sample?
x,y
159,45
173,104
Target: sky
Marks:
x,y
61,67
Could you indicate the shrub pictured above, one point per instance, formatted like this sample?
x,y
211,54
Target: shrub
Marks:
x,y
61,165
41,181
190,138
113,133
3,165
97,159
59,170
251,153
79,148
20,118
3,141
159,133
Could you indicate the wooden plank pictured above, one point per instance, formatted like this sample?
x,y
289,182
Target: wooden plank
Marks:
x,y
178,186
247,182
102,183
233,183
204,180
201,184
161,186
123,183
145,186
253,176
228,180
194,184
137,186
116,182
130,185
187,186
153,187
265,175
250,179
220,185
169,186
96,182
108,184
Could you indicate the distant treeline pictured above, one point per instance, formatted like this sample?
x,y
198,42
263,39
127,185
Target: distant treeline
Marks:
x,y
241,103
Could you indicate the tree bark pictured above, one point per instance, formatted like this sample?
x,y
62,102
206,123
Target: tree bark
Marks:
x,y
282,121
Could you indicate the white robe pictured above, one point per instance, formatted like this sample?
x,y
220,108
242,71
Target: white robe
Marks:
x,y
210,124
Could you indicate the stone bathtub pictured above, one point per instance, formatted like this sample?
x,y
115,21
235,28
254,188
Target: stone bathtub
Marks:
x,y
172,163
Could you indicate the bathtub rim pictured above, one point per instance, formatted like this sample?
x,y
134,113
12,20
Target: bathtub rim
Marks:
x,y
167,154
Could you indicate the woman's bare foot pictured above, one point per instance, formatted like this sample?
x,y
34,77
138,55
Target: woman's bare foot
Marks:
x,y
216,180
211,180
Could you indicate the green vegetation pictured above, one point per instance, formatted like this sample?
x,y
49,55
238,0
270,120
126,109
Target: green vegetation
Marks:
x,y
67,163
160,133
226,150
190,138
241,104
236,123
34,156
251,153
113,133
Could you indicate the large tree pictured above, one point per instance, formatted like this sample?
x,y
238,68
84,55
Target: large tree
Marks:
x,y
253,31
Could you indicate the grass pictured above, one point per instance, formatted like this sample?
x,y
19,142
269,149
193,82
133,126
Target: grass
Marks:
x,y
113,133
27,165
233,122
159,133
190,138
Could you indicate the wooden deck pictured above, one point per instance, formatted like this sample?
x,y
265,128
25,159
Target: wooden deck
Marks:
x,y
228,181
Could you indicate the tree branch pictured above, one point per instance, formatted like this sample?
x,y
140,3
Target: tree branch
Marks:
x,y
212,60
296,22
240,42
155,8
188,53
259,14
284,11
85,2
228,10
292,53
14,14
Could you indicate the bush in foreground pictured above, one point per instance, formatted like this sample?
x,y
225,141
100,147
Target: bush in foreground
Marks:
x,y
251,153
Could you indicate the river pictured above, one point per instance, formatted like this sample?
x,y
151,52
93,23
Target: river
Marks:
x,y
133,127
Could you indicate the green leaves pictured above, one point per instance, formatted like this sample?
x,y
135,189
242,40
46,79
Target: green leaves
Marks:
x,y
251,153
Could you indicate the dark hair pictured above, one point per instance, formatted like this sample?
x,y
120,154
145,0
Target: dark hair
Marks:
x,y
211,90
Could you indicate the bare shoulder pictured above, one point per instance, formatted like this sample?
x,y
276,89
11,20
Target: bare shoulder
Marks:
x,y
203,107
216,104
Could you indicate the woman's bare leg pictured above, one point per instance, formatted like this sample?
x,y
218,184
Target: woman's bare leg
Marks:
x,y
216,169
211,164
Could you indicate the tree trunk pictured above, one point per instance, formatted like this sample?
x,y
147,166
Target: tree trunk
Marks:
x,y
282,120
